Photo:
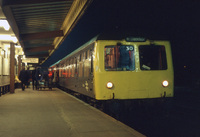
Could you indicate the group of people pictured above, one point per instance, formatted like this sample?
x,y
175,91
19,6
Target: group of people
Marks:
x,y
26,75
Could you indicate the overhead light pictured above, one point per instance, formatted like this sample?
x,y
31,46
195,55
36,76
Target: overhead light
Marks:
x,y
14,39
4,24
18,46
8,38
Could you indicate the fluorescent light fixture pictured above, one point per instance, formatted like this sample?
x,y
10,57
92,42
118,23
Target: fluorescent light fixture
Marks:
x,y
8,38
14,39
2,52
4,24
18,46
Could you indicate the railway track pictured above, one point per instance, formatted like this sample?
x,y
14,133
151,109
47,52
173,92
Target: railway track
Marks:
x,y
181,119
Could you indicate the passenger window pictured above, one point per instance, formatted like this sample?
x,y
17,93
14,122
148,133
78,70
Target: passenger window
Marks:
x,y
83,56
91,51
86,55
62,70
80,58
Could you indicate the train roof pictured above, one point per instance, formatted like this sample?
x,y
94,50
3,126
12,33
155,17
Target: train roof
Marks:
x,y
80,48
55,63
121,35
116,36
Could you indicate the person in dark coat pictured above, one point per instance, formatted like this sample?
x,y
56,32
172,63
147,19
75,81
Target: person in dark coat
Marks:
x,y
23,77
28,77
38,76
34,78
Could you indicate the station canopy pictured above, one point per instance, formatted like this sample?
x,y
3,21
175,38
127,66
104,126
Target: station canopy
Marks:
x,y
42,25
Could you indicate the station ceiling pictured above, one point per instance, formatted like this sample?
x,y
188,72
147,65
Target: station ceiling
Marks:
x,y
42,25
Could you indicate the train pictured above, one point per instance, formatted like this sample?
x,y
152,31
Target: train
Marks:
x,y
118,69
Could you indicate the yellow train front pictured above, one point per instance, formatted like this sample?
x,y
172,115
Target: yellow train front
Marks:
x,y
132,68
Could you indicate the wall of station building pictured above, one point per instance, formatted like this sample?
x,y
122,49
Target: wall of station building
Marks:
x,y
5,59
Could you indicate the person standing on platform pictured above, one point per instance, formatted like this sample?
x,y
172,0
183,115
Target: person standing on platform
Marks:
x,y
33,78
38,76
28,77
23,77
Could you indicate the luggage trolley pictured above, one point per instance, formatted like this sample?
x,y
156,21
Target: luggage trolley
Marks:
x,y
42,79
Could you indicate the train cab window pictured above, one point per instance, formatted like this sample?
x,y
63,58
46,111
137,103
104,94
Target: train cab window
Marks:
x,y
119,58
152,57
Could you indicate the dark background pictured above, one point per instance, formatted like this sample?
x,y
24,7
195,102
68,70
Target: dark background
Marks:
x,y
178,21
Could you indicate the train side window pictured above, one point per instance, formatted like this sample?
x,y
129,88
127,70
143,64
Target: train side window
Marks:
x,y
73,67
119,58
80,58
83,56
152,57
80,65
66,74
62,70
91,57
86,54
70,68
59,70
76,66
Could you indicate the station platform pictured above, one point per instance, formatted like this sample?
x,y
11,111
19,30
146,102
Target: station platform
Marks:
x,y
54,113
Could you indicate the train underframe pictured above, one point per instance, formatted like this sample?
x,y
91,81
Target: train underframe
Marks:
x,y
120,108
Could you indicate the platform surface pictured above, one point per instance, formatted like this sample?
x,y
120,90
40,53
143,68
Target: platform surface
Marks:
x,y
33,113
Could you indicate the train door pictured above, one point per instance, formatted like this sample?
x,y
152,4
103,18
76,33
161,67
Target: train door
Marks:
x,y
91,76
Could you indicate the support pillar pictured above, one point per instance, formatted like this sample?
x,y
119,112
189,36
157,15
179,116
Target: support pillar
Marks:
x,y
19,64
12,68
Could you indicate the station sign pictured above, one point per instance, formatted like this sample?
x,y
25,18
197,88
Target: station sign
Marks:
x,y
30,60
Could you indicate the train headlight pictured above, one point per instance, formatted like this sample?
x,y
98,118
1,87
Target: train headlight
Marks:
x,y
165,83
109,85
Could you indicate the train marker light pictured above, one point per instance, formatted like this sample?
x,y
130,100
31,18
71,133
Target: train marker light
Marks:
x,y
165,83
109,85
